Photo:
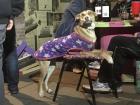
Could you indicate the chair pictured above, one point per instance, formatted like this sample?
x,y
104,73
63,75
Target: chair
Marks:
x,y
76,56
105,40
133,61
104,45
86,57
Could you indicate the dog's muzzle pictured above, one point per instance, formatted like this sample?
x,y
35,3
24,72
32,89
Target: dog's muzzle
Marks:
x,y
87,23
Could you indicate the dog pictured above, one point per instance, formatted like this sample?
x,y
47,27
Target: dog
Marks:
x,y
83,37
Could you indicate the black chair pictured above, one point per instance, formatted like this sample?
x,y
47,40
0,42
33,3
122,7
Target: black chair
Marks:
x,y
113,81
86,60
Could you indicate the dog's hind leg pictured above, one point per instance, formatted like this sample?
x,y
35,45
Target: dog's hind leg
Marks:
x,y
44,65
50,71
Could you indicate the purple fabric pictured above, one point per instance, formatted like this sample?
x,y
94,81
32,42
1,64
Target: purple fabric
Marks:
x,y
20,48
105,40
58,47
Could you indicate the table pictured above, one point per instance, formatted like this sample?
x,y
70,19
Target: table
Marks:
x,y
113,28
116,28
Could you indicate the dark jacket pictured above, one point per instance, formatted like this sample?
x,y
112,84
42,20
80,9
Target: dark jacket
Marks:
x,y
68,21
17,7
9,9
10,41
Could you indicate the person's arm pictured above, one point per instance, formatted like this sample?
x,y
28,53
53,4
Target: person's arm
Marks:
x,y
115,10
10,24
76,6
137,18
17,7
137,21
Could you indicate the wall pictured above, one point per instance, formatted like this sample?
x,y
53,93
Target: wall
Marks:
x,y
41,17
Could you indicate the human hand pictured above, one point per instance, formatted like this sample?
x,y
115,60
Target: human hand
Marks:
x,y
10,24
137,34
137,18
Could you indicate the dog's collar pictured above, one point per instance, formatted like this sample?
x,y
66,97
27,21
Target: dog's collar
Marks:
x,y
91,29
87,28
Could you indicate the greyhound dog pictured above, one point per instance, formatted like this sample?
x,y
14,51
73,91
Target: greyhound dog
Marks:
x,y
83,37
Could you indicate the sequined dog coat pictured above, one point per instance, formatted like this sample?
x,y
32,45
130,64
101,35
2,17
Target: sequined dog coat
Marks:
x,y
58,47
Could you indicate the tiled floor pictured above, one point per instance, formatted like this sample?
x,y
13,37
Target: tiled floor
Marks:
x,y
67,95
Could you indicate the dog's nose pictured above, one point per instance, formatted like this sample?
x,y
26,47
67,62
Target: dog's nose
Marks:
x,y
86,18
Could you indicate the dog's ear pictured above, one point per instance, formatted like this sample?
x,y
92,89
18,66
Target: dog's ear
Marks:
x,y
77,18
92,12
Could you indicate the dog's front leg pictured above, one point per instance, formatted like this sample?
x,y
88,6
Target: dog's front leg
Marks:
x,y
107,55
44,65
50,71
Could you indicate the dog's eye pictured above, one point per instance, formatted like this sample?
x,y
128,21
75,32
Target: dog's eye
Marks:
x,y
82,14
89,12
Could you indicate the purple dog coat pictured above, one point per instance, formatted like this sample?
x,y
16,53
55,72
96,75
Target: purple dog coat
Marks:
x,y
58,47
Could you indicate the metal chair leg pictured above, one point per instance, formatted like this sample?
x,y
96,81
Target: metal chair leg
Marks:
x,y
114,89
79,82
113,83
91,86
59,80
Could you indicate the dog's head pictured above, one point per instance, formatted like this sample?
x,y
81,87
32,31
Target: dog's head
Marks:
x,y
86,19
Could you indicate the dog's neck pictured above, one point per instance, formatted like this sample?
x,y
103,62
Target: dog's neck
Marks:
x,y
88,33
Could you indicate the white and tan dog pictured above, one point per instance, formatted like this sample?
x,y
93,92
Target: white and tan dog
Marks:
x,y
83,37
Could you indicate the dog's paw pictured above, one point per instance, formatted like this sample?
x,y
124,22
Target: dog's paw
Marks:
x,y
41,94
109,59
49,91
107,55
